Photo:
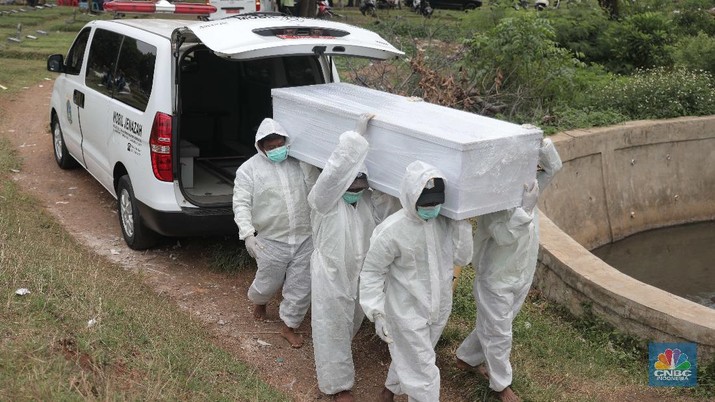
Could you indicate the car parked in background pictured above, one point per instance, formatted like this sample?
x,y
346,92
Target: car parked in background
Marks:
x,y
451,4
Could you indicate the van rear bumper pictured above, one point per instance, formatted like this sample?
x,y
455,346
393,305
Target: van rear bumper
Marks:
x,y
189,221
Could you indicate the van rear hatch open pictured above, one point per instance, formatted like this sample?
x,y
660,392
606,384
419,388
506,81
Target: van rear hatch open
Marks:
x,y
249,36
225,73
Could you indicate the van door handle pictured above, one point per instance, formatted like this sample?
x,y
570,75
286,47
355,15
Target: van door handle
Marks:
x,y
78,98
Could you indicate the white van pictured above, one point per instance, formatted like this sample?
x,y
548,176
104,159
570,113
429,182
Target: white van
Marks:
x,y
162,112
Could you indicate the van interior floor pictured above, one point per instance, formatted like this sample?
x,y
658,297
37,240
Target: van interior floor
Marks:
x,y
213,179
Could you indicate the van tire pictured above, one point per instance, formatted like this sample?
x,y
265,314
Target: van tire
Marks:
x,y
136,234
62,156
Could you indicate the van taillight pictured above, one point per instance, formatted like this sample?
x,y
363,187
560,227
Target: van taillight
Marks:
x,y
160,145
258,5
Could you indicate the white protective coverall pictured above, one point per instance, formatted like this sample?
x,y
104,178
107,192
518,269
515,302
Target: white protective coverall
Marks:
x,y
407,278
271,199
506,246
341,234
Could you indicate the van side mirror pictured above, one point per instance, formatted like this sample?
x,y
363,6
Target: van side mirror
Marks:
x,y
56,63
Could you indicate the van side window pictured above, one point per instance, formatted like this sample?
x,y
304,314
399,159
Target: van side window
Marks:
x,y
73,63
102,61
135,73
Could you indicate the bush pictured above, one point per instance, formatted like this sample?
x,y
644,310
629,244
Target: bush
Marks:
x,y
520,64
660,93
692,17
696,53
580,29
567,118
641,41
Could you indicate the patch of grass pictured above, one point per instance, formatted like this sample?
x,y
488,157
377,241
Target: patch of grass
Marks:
x,y
41,47
230,255
17,74
140,347
557,356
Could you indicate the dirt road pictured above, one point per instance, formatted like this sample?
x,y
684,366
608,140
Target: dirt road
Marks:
x,y
178,269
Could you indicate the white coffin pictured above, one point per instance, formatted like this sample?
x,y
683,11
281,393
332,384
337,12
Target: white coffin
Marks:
x,y
486,161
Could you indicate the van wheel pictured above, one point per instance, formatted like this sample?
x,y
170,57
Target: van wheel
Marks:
x,y
136,234
472,5
62,156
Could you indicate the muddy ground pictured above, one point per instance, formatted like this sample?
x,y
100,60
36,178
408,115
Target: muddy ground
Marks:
x,y
179,268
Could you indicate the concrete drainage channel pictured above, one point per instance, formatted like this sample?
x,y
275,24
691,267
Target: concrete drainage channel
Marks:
x,y
618,181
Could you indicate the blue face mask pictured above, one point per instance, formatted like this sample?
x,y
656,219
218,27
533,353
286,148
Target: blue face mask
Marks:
x,y
428,213
352,198
278,154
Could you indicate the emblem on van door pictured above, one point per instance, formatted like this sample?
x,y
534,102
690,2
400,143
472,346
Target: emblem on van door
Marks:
x,y
69,111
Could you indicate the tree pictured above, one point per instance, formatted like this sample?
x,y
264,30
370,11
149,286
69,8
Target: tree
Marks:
x,y
611,6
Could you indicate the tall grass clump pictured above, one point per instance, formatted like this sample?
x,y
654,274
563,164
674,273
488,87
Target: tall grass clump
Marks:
x,y
229,256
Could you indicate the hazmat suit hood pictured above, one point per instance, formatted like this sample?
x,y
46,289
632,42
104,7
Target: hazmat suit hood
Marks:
x,y
417,174
362,169
269,126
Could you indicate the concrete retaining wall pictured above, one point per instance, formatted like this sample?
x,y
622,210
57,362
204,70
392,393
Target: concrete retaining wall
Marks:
x,y
618,181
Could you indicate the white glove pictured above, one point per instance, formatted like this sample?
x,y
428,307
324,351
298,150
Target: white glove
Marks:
x,y
381,328
251,245
530,197
548,156
361,125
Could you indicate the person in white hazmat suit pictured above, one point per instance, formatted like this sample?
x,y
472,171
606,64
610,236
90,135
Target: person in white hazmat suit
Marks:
x,y
506,245
343,218
406,281
271,210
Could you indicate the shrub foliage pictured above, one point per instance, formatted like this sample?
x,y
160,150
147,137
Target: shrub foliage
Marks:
x,y
573,66
660,93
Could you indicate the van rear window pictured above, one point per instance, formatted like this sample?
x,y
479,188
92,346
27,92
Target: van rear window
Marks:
x,y
121,67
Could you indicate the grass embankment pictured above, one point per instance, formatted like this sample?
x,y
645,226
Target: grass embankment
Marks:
x,y
559,357
140,346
